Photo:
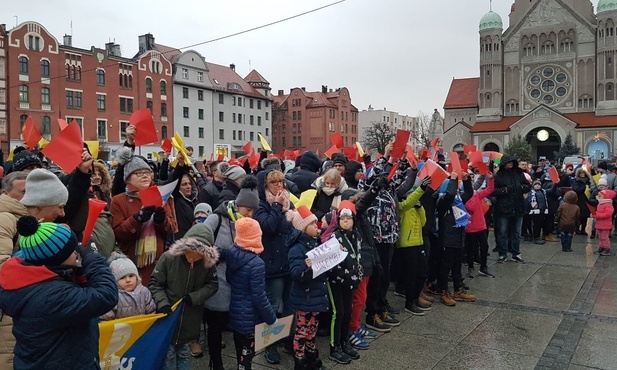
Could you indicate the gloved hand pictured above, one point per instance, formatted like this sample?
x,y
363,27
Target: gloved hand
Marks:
x,y
425,182
159,215
187,300
165,309
144,214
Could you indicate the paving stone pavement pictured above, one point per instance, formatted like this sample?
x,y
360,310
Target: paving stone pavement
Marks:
x,y
557,311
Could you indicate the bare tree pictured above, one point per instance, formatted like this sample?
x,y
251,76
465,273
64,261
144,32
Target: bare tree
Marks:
x,y
378,136
420,134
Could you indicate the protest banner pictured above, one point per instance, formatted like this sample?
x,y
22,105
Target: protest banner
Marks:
x,y
266,334
326,256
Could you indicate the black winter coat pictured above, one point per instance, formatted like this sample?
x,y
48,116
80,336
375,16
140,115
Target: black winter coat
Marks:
x,y
579,188
210,193
303,179
307,293
230,191
451,236
510,185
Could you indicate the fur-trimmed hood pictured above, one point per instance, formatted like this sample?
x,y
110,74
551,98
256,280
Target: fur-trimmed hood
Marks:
x,y
211,254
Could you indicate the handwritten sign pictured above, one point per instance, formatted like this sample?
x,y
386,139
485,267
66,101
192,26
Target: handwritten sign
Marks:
x,y
267,334
326,256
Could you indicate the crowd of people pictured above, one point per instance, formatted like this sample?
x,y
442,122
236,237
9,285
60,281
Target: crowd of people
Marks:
x,y
233,246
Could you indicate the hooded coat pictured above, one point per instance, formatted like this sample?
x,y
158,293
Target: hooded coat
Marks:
x,y
568,214
230,191
510,185
604,212
306,176
307,293
450,235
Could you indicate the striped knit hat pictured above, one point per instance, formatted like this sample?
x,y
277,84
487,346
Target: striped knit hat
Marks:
x,y
45,243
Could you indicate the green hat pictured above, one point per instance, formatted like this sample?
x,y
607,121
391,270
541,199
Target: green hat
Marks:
x,y
45,243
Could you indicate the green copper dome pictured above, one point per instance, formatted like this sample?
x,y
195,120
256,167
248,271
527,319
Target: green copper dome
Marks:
x,y
493,20
607,5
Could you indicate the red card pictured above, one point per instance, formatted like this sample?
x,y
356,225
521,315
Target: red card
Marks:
x,y
485,207
435,143
434,170
337,140
220,158
248,147
65,149
475,158
411,156
31,134
400,143
333,150
167,145
393,172
464,165
62,123
552,172
243,160
145,132
151,197
470,149
297,152
425,153
456,164
254,159
351,153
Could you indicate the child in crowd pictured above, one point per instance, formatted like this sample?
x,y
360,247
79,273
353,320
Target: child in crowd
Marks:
x,y
201,212
308,295
476,237
604,220
133,298
246,275
536,205
180,273
567,219
342,280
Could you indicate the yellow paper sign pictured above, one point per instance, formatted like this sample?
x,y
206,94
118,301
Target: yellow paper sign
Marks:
x,y
43,143
156,156
264,143
360,150
306,199
10,158
93,145
178,143
596,178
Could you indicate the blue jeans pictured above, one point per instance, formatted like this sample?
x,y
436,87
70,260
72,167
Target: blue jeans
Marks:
x,y
277,291
566,241
178,357
509,235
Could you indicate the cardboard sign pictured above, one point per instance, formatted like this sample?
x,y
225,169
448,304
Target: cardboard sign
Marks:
x,y
151,197
66,148
411,156
337,140
145,132
167,145
400,143
456,164
326,256
554,175
351,153
435,171
476,160
93,147
62,124
254,159
266,334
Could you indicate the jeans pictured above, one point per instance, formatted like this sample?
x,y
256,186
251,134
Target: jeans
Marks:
x,y
566,241
178,357
278,290
509,235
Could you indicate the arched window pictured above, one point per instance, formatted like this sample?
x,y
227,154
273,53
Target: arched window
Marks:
x,y
100,77
73,73
23,94
149,106
46,126
44,68
148,85
163,132
22,121
45,99
78,75
23,65
163,88
548,48
130,82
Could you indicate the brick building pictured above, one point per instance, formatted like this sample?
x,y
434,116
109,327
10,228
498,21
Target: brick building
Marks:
x,y
4,139
305,120
96,87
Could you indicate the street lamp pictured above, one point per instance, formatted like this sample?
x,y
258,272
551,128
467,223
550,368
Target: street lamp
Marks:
x,y
542,135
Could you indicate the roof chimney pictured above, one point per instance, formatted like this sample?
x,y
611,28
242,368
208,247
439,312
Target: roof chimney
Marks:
x,y
68,40
146,42
303,88
233,67
113,49
281,92
324,89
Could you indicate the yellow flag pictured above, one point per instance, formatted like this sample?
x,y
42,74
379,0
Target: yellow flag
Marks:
x,y
10,158
306,198
43,143
264,143
157,156
178,143
596,178
360,150
294,199
588,192
93,145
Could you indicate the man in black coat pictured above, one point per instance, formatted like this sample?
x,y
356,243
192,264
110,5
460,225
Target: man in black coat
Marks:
x,y
306,176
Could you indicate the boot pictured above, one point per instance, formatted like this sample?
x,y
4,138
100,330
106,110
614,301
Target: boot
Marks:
x,y
446,298
427,297
300,364
462,295
424,303
431,290
350,351
313,362
337,355
551,238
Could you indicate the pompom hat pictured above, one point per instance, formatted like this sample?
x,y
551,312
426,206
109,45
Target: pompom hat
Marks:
x,y
302,218
120,266
46,243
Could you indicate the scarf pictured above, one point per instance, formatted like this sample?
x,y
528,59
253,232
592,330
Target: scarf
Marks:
x,y
337,192
270,199
604,200
535,210
461,216
145,246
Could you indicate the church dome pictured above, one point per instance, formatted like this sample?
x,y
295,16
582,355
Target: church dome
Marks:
x,y
606,6
493,20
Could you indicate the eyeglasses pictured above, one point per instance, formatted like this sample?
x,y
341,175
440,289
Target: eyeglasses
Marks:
x,y
142,173
275,182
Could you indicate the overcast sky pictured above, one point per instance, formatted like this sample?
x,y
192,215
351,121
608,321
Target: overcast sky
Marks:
x,y
398,54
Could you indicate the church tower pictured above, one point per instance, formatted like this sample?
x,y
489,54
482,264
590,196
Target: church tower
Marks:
x,y
490,94
606,63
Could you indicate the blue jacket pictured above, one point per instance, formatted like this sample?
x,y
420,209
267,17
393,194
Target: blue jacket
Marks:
x,y
249,304
56,320
307,294
278,233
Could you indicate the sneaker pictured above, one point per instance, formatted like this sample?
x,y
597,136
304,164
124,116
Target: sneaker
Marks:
x,y
605,252
349,351
195,350
446,298
538,241
389,319
399,293
470,273
272,355
374,322
357,341
462,295
391,310
502,259
567,250
518,258
423,302
485,272
427,297
337,355
414,310
551,238
366,333
421,305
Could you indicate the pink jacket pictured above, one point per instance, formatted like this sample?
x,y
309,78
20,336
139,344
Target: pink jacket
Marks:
x,y
474,208
604,212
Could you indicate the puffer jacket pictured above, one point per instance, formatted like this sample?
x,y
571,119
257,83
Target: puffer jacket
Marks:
x,y
510,185
477,221
306,176
230,191
63,313
451,236
541,199
568,214
137,302
174,277
604,212
249,303
348,274
579,187
369,258
412,220
210,193
10,210
307,293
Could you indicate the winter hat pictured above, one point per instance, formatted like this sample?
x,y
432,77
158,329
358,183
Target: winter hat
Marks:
x,y
569,165
351,168
131,163
203,207
339,158
602,181
608,194
441,158
603,165
271,164
46,243
25,159
43,188
248,235
346,208
202,232
235,172
120,266
302,218
248,196
309,161
538,182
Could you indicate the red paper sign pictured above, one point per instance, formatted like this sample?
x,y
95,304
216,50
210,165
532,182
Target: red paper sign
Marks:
x,y
167,145
62,124
31,134
254,159
145,132
393,172
220,158
248,147
351,153
425,153
435,143
151,197
411,156
464,165
435,171
337,140
456,164
552,172
475,159
333,150
65,149
470,149
400,143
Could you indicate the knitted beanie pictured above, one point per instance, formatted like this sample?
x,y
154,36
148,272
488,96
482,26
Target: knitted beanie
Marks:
x,y
271,164
602,181
339,158
25,159
131,163
346,208
203,207
248,235
120,266
248,196
234,172
202,232
43,188
302,218
46,243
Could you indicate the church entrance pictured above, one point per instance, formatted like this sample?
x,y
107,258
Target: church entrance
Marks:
x,y
544,141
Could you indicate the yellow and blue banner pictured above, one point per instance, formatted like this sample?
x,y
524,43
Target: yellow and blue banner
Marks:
x,y
137,342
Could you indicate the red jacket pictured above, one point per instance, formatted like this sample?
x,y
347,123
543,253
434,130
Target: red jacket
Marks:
x,y
474,208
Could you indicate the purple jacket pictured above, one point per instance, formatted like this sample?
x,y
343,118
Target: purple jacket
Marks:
x,y
137,302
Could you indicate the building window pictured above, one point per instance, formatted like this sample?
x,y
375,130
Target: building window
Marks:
x,y
251,136
23,65
267,104
123,126
294,116
201,150
186,131
300,115
233,134
185,92
258,120
201,132
233,118
295,128
22,121
150,106
200,76
101,129
126,105
221,99
267,132
295,142
239,118
149,85
44,68
45,96
69,100
221,117
163,109
221,134
258,104
78,74
252,120
267,116
163,88
78,99
164,132
251,103
46,126
299,128
100,77
283,141
185,112
233,102
185,73
239,101
100,102
200,95
200,113
283,128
